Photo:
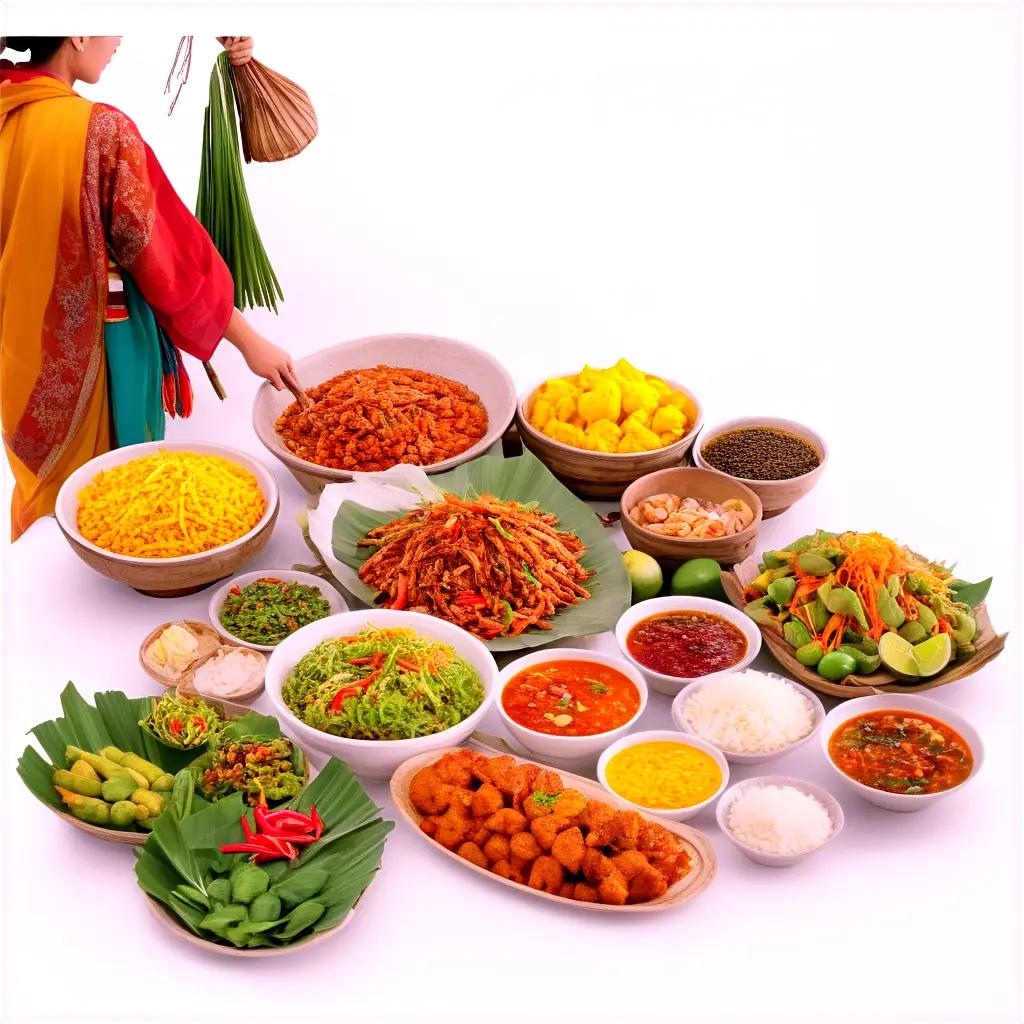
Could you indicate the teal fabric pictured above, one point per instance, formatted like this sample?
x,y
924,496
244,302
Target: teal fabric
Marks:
x,y
135,372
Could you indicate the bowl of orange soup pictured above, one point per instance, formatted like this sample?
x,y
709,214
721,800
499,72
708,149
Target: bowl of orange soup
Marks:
x,y
900,751
568,703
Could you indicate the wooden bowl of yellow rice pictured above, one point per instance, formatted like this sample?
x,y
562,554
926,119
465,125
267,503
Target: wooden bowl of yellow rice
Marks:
x,y
168,518
597,474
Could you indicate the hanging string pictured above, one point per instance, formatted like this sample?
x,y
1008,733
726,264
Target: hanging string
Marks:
x,y
184,55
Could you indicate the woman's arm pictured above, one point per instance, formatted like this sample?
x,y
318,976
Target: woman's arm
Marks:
x,y
261,356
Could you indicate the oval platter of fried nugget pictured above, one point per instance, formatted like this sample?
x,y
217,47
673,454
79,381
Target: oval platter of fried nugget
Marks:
x,y
552,834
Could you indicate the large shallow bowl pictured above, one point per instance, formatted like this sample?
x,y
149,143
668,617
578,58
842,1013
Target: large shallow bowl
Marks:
x,y
377,759
567,748
778,860
671,685
665,736
330,595
689,482
987,645
697,845
601,474
776,495
735,756
469,365
166,577
900,702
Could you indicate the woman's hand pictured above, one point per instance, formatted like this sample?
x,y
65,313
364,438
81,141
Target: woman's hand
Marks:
x,y
239,48
263,357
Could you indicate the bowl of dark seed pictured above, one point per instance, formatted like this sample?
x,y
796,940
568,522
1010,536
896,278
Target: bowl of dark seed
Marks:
x,y
779,460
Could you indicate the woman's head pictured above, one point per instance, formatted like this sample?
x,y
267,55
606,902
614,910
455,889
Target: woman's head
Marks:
x,y
79,58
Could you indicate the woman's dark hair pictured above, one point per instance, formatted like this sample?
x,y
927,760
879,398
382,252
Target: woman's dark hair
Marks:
x,y
42,47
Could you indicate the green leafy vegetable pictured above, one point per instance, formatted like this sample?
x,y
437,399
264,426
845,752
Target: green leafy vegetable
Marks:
x,y
970,594
268,610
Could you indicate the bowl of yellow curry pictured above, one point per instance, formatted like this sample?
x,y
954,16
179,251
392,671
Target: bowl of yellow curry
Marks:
x,y
600,429
168,518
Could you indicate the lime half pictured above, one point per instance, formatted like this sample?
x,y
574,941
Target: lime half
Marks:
x,y
898,655
645,575
933,655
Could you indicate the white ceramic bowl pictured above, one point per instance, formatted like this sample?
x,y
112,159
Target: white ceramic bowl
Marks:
x,y
567,747
735,756
474,367
653,736
671,685
377,759
331,596
166,576
778,860
776,495
900,702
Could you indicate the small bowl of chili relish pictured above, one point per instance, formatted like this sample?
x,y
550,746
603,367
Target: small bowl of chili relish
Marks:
x,y
675,640
568,703
900,751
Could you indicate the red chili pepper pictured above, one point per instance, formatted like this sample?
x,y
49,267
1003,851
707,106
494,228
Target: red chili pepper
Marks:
x,y
318,825
199,722
175,726
409,666
455,529
342,695
249,834
235,590
401,594
360,661
471,599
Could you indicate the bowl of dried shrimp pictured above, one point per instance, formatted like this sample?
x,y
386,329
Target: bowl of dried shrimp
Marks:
x,y
386,400
684,513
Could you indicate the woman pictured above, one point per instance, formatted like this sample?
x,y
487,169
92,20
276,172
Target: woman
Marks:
x,y
104,276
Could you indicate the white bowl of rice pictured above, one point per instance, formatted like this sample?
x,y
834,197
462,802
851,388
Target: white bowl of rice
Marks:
x,y
778,821
751,716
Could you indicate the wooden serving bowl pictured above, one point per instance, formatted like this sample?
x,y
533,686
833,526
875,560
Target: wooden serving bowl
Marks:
x,y
776,495
167,577
988,645
687,482
477,369
602,475
209,643
702,854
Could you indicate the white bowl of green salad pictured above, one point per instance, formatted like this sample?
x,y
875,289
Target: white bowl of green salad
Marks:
x,y
376,687
260,609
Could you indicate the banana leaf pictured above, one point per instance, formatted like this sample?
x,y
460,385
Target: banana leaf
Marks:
x,y
186,851
524,479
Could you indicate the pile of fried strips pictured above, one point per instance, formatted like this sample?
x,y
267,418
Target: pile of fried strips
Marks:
x,y
493,567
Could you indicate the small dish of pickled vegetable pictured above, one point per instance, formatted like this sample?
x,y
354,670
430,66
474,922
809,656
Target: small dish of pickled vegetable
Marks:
x,y
568,703
900,752
260,609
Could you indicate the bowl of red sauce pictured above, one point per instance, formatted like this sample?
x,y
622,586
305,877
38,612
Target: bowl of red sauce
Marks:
x,y
569,703
900,751
675,640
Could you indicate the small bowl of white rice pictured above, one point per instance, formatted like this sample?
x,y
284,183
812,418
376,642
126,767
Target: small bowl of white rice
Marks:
x,y
751,716
778,821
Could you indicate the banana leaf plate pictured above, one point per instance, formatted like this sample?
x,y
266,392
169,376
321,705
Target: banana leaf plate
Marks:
x,y
524,479
113,720
988,644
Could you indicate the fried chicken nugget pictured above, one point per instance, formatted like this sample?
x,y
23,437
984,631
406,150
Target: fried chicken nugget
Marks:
x,y
630,863
523,783
481,835
569,803
429,826
497,848
648,884
546,874
619,831
596,867
595,815
547,781
585,893
568,891
537,804
524,846
497,771
473,853
456,768
613,890
546,828
569,849
487,800
504,869
427,793
508,821
665,851
455,825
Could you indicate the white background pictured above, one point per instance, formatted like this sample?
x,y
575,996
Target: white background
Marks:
x,y
808,211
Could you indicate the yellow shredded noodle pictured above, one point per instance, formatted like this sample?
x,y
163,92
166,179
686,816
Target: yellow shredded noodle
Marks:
x,y
169,504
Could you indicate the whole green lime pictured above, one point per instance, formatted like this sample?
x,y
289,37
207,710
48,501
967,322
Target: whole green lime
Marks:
x,y
645,576
836,665
699,577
